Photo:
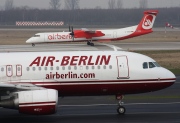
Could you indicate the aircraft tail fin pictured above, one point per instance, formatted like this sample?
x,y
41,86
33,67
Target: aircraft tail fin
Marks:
x,y
147,22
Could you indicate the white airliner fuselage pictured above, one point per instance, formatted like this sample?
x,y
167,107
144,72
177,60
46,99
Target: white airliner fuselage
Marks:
x,y
82,68
29,79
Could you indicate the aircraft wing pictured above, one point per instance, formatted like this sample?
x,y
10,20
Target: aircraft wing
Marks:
x,y
88,31
6,88
88,34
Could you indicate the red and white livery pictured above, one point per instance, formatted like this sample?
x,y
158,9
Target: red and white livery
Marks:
x,y
144,27
31,82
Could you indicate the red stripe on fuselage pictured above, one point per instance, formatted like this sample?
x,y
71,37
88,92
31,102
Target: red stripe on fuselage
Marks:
x,y
93,81
104,87
37,103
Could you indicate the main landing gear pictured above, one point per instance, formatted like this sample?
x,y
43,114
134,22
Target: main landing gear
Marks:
x,y
90,43
33,44
121,110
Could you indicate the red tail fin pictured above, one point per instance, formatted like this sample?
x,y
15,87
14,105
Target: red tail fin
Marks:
x,y
147,21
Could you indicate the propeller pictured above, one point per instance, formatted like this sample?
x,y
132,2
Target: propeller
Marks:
x,y
72,31
69,28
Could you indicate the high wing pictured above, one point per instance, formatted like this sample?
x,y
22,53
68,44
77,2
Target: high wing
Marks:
x,y
88,34
88,31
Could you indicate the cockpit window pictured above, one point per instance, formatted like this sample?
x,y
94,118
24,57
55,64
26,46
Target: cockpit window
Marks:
x,y
157,65
145,65
151,65
36,35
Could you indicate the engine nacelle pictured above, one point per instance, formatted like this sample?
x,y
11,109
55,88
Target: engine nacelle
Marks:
x,y
36,102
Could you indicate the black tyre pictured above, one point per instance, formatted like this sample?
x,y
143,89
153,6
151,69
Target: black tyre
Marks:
x,y
121,110
92,44
88,43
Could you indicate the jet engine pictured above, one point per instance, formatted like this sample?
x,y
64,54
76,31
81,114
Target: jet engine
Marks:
x,y
35,102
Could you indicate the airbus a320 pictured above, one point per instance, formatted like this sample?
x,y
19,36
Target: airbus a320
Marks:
x,y
31,82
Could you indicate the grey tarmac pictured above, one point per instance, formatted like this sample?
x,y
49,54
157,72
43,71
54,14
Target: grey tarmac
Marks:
x,y
98,46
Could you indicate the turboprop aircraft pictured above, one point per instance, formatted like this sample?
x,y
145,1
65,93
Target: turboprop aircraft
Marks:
x,y
144,27
31,82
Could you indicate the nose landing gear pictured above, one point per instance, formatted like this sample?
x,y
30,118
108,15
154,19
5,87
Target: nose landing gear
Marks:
x,y
121,110
33,44
89,42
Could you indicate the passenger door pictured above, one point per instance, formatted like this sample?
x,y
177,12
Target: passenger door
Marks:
x,y
122,67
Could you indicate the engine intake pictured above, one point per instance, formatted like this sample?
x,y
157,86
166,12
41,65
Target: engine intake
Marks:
x,y
36,102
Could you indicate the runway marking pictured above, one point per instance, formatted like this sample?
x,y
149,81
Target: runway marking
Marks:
x,y
115,48
86,114
117,114
169,103
154,48
155,113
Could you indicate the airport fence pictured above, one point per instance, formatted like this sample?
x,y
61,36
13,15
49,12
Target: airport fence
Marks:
x,y
39,23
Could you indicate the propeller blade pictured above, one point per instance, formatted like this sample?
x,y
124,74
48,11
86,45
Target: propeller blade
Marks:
x,y
72,32
69,28
72,29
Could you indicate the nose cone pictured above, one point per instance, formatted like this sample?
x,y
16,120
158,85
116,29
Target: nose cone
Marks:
x,y
29,40
168,76
165,79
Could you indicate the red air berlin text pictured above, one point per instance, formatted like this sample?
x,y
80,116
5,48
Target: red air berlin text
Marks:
x,y
58,37
71,60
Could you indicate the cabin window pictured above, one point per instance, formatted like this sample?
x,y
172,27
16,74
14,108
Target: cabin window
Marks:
x,y
87,67
27,68
75,67
104,66
2,69
69,67
39,68
45,68
9,69
110,66
36,35
51,68
92,67
57,68
99,67
151,65
34,68
63,68
145,65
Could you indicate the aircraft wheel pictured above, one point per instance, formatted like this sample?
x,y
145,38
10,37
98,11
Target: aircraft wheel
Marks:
x,y
88,43
92,44
33,44
121,110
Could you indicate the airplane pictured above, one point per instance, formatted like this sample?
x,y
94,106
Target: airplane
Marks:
x,y
31,82
144,27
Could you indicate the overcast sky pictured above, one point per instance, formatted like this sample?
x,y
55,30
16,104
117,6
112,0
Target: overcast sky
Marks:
x,y
93,3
